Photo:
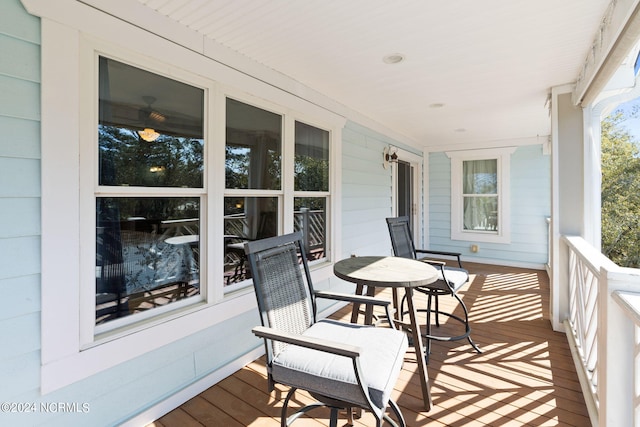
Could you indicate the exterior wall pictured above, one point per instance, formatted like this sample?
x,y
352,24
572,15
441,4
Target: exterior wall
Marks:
x,y
19,204
530,206
125,391
141,385
112,396
366,192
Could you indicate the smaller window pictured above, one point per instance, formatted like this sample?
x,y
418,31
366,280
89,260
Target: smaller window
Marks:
x,y
480,195
311,195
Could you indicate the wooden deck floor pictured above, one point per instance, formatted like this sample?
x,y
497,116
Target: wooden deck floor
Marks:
x,y
525,375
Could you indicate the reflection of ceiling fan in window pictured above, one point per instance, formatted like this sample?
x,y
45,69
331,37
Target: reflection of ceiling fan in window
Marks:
x,y
150,118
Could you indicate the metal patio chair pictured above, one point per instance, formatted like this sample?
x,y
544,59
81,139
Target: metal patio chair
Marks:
x,y
449,282
344,366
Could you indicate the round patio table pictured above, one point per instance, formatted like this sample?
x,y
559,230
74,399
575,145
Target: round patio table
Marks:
x,y
393,272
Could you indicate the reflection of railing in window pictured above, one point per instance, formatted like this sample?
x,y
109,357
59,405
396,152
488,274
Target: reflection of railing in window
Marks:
x,y
312,225
139,266
237,230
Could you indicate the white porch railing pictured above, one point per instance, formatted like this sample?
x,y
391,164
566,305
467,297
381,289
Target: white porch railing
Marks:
x,y
604,329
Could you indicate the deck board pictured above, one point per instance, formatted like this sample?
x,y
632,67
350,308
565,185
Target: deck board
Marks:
x,y
524,377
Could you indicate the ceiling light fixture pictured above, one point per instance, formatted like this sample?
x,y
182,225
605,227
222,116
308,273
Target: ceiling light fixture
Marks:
x,y
148,134
149,116
393,58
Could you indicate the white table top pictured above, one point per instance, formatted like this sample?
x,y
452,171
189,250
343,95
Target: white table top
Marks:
x,y
181,240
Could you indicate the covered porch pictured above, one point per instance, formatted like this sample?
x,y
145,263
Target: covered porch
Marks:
x,y
525,376
434,84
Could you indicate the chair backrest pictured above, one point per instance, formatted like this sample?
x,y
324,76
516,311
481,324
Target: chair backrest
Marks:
x,y
282,285
401,239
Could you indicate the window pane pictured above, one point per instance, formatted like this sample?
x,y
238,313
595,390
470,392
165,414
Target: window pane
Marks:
x,y
481,213
480,177
245,218
150,130
147,253
310,217
312,158
254,147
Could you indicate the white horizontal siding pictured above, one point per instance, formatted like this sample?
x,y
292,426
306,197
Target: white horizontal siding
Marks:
x,y
26,66
530,206
20,137
20,177
18,24
19,335
19,216
24,96
366,192
19,208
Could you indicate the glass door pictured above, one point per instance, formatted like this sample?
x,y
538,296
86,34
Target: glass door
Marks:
x,y
407,190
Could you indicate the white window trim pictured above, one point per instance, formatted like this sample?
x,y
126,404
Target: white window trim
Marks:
x,y
63,360
503,156
90,189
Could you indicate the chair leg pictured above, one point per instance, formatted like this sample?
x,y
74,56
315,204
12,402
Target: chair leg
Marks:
x,y
436,313
284,421
466,323
333,420
396,410
427,350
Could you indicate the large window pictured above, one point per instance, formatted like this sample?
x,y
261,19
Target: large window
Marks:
x,y
149,196
480,194
144,161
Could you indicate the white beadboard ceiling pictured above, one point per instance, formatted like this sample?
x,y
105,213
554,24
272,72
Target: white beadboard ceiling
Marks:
x,y
474,71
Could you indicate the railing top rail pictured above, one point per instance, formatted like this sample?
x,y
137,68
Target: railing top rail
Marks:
x,y
592,257
630,303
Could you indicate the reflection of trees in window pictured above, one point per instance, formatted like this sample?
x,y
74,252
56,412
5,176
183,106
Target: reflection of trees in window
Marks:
x,y
311,174
311,168
169,161
253,167
253,147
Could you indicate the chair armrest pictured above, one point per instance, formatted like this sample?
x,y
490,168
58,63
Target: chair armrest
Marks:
x,y
443,253
433,262
327,346
361,299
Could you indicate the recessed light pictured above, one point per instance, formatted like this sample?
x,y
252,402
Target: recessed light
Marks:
x,y
436,105
393,58
460,130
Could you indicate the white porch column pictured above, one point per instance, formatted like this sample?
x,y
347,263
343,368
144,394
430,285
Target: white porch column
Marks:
x,y
567,201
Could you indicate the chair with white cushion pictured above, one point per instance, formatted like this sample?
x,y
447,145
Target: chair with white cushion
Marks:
x,y
450,280
344,366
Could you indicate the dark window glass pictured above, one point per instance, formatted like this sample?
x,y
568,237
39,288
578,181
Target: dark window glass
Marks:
x,y
310,217
147,253
245,218
311,159
253,148
150,130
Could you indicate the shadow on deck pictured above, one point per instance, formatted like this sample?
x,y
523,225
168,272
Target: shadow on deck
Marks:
x,y
525,376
